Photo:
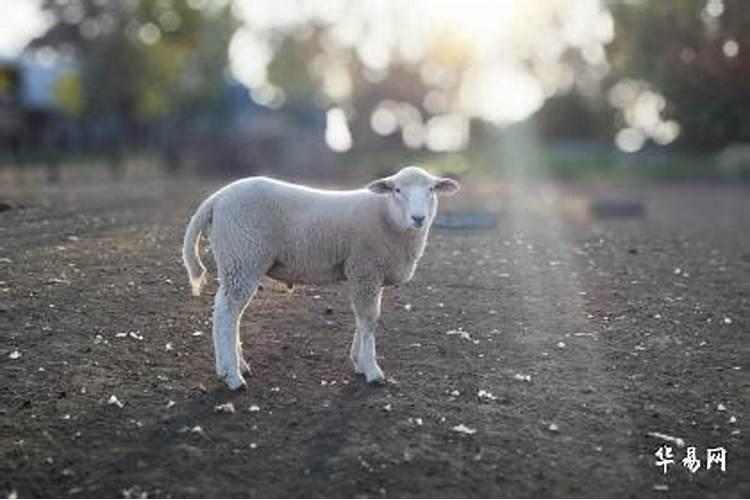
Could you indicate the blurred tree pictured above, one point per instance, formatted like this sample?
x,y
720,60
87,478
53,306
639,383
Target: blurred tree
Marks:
x,y
142,62
69,94
691,51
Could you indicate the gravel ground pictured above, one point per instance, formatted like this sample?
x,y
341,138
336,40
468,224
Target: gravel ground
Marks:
x,y
534,359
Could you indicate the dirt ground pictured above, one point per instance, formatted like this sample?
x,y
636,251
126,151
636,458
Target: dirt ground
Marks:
x,y
583,335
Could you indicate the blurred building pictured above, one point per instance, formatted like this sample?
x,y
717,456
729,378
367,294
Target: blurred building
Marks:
x,y
29,115
240,137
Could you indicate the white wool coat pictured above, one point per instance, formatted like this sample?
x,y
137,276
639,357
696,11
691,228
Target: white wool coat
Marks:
x,y
297,234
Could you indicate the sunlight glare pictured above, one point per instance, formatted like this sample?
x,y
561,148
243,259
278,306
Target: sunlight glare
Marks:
x,y
494,60
338,136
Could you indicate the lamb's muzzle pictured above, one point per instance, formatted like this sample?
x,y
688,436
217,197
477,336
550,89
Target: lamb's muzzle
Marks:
x,y
258,227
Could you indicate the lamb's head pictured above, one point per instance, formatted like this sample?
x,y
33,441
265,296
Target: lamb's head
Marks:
x,y
411,196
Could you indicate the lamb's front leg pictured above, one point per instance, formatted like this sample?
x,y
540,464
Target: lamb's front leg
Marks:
x,y
366,298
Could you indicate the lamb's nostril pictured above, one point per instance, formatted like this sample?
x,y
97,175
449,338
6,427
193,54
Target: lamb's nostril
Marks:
x,y
418,219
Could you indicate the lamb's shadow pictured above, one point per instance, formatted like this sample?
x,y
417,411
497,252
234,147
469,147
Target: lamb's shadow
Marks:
x,y
179,433
331,434
175,442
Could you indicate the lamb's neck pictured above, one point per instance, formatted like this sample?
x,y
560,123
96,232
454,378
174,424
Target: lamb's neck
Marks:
x,y
414,242
407,242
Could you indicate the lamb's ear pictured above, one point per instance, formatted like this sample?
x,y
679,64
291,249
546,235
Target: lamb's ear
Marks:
x,y
381,186
446,186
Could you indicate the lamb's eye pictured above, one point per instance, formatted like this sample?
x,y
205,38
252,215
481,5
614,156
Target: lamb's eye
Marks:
x,y
398,190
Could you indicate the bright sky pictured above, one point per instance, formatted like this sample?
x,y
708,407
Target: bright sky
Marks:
x,y
497,60
487,44
21,21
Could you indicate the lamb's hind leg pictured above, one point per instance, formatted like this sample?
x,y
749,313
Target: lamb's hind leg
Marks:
x,y
231,299
244,364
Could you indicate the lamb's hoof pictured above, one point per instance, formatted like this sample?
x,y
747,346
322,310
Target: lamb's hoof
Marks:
x,y
375,378
235,383
357,369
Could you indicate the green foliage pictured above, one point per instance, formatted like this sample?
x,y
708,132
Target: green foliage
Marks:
x,y
289,67
142,59
679,48
69,94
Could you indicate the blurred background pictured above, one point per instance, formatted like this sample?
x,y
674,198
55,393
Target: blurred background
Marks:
x,y
330,87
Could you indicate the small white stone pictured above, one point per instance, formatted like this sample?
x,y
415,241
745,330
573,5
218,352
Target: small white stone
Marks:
x,y
463,429
553,427
15,354
388,407
254,408
727,320
732,419
482,394
455,393
224,408
114,401
561,344
721,407
407,307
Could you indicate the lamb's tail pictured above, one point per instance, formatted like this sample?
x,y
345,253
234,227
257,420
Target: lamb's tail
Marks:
x,y
190,247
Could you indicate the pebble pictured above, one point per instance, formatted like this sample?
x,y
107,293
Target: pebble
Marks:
x,y
463,429
114,401
224,408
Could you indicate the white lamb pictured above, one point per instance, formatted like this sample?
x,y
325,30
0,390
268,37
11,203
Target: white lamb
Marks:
x,y
259,227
